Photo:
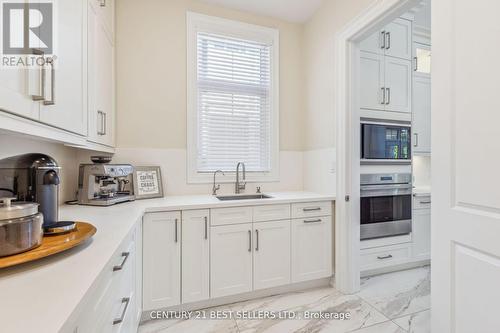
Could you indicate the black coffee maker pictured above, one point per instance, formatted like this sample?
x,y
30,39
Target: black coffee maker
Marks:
x,y
35,178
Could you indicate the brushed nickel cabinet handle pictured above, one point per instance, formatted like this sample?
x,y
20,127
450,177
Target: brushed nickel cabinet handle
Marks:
x,y
416,64
120,267
385,257
100,120
383,96
206,227
388,45
416,140
425,202
52,100
126,301
388,101
382,44
249,240
256,240
312,209
105,123
40,97
312,221
175,237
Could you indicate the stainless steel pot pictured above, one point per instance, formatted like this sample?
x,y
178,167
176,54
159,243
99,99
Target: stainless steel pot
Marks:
x,y
20,226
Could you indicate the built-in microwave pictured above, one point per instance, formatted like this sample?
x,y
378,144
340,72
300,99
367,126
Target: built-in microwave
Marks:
x,y
385,142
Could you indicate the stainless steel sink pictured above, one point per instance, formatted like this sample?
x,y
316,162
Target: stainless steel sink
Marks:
x,y
243,197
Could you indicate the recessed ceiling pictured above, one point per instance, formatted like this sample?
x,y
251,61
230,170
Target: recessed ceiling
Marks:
x,y
288,10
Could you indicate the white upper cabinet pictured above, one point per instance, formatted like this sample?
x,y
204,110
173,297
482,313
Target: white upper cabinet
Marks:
x,y
394,40
161,260
385,83
63,106
16,87
397,85
372,81
195,255
271,261
101,91
421,114
398,39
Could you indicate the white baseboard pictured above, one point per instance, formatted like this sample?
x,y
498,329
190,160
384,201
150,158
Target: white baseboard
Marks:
x,y
244,297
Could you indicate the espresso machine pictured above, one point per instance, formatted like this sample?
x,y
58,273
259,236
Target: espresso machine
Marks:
x,y
102,184
35,178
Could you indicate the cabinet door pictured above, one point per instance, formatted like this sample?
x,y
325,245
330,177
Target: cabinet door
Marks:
x,y
421,233
161,260
373,43
63,106
421,114
271,261
195,255
230,259
311,248
371,81
421,59
100,80
398,74
398,42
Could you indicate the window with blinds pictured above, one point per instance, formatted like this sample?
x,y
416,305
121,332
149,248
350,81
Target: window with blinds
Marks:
x,y
234,108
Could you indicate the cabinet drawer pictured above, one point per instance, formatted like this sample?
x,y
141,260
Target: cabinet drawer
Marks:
x,y
234,215
307,209
384,256
271,213
422,202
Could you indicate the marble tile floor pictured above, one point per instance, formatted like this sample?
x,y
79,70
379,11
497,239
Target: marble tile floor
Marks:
x,y
396,302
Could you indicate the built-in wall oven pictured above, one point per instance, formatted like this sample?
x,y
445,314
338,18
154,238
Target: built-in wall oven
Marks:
x,y
385,205
385,142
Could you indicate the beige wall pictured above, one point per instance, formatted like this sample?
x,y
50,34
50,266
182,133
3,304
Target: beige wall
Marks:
x,y
319,39
151,72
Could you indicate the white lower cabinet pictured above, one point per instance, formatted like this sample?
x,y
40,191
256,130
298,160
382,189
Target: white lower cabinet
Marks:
x,y
311,248
271,259
113,304
196,255
421,225
230,259
195,261
161,260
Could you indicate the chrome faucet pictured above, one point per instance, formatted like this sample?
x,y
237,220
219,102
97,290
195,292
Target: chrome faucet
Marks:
x,y
238,187
216,188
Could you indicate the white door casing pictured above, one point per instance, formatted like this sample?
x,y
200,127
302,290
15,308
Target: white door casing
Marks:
x,y
347,241
465,195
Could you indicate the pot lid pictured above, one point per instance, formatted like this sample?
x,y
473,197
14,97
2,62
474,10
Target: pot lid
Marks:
x,y
14,210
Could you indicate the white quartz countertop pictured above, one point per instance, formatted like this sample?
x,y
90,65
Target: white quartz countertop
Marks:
x,y
41,296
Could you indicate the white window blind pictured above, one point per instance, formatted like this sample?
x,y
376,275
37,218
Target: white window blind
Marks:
x,y
234,103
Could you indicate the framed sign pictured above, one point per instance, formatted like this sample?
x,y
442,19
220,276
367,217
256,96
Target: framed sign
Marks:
x,y
147,182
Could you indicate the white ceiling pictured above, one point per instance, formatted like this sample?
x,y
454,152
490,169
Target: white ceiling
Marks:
x,y
288,10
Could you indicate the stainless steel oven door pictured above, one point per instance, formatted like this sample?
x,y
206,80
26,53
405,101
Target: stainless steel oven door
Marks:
x,y
385,210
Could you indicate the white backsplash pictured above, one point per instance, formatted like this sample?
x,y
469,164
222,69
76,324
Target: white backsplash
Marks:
x,y
174,171
422,171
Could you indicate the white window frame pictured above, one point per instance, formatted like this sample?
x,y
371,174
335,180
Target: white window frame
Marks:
x,y
199,22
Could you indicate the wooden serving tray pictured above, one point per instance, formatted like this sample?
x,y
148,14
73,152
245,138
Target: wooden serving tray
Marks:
x,y
52,245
